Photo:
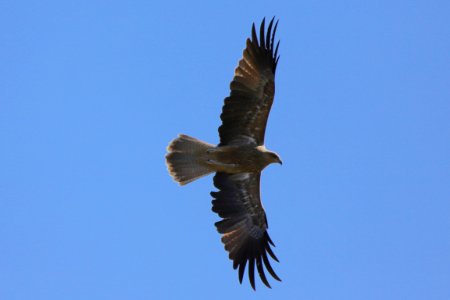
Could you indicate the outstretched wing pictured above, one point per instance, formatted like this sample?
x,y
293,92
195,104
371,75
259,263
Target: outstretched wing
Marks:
x,y
244,225
245,112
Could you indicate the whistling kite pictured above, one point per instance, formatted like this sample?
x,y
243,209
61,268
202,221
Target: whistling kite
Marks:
x,y
239,158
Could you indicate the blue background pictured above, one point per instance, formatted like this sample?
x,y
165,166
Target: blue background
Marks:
x,y
91,93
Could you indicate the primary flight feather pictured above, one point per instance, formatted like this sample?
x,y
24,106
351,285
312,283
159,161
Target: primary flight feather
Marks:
x,y
239,158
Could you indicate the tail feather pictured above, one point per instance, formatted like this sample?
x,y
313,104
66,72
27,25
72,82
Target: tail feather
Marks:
x,y
186,159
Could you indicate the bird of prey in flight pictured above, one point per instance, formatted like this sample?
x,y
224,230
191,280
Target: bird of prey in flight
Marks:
x,y
239,158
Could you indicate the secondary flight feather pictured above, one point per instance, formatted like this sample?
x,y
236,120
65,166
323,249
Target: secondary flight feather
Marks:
x,y
239,158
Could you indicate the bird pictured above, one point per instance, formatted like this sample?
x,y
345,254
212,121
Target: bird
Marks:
x,y
239,158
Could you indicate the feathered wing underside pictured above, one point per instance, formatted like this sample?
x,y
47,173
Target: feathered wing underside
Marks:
x,y
244,225
245,112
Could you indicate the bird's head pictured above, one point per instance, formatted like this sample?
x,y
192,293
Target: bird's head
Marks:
x,y
274,158
269,156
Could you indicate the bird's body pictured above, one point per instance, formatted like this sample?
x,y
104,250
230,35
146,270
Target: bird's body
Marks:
x,y
239,158
229,159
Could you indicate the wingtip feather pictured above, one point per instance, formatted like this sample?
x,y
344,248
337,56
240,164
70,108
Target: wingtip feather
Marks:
x,y
262,42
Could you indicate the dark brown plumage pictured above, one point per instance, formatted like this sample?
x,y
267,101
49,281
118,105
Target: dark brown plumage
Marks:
x,y
245,112
239,158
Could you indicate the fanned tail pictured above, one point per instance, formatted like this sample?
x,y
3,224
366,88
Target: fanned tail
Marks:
x,y
186,159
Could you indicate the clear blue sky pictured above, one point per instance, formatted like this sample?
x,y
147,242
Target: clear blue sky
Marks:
x,y
91,92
